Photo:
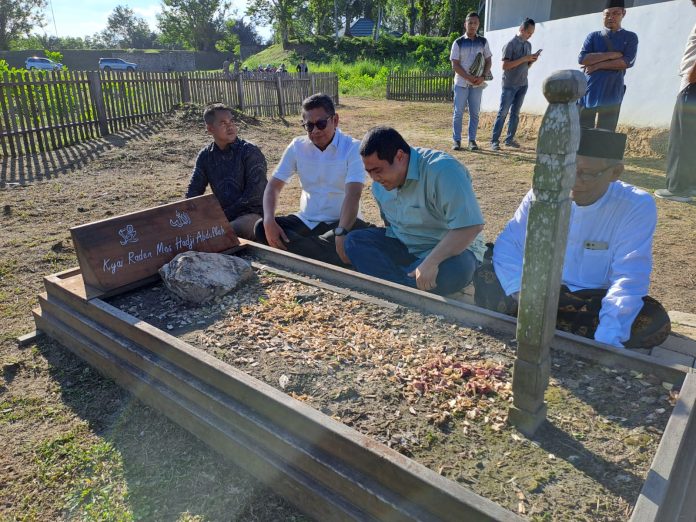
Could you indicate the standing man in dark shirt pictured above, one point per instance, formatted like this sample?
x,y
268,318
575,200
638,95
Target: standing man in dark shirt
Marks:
x,y
605,56
235,170
517,59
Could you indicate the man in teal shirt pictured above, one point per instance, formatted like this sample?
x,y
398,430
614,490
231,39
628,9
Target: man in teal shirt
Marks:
x,y
432,235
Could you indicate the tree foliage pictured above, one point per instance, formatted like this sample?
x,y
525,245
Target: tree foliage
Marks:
x,y
192,24
126,30
18,18
278,13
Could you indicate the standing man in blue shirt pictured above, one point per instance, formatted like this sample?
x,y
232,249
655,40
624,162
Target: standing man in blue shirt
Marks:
x,y
605,56
471,62
431,239
517,59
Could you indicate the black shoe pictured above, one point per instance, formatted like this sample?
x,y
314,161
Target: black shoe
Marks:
x,y
456,145
512,144
473,145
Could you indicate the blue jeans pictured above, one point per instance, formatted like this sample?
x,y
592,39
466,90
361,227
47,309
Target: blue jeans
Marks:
x,y
375,254
510,100
464,96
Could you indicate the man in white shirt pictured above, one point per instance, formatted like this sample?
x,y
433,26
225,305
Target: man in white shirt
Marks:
x,y
332,176
471,61
608,260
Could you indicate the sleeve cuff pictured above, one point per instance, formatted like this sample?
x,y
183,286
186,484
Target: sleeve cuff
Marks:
x,y
608,336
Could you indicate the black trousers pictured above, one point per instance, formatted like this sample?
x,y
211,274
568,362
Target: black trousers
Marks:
x,y
578,312
316,243
681,154
606,117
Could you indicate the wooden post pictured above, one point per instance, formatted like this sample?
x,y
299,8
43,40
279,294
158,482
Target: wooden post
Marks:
x,y
240,91
312,84
279,88
185,88
95,91
545,244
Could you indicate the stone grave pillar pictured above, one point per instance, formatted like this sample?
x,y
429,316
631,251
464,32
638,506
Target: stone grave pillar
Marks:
x,y
547,232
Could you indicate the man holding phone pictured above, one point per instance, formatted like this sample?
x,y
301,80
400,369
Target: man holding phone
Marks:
x,y
517,59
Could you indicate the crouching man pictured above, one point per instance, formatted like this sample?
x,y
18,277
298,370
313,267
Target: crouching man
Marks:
x,y
235,170
608,259
431,239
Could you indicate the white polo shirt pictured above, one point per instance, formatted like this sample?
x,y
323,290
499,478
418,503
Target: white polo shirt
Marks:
x,y
323,175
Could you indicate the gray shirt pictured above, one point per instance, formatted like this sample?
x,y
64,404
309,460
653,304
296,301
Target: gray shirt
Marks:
x,y
514,50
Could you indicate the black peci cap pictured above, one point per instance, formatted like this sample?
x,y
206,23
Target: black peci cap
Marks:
x,y
598,143
615,3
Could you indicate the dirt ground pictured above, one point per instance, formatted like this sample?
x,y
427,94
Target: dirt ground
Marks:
x,y
68,435
434,391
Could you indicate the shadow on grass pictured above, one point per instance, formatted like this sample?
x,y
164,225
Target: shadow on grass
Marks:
x,y
162,470
53,163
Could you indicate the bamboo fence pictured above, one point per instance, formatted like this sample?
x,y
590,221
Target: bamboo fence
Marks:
x,y
420,86
41,111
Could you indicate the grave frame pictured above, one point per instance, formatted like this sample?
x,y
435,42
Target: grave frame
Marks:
x,y
328,470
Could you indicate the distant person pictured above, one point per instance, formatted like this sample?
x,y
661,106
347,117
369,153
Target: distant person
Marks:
x,y
517,59
235,170
226,68
432,222
302,67
332,176
604,57
681,154
608,256
471,62
282,70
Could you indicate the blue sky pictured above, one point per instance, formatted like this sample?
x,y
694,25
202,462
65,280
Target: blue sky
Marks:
x,y
84,18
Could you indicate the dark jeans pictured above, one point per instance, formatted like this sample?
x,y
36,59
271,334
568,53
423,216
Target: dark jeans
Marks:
x,y
578,312
510,100
607,117
375,254
317,243
681,154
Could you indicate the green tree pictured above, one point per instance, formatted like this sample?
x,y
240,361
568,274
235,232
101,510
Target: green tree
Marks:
x,y
192,24
19,17
229,43
126,30
279,13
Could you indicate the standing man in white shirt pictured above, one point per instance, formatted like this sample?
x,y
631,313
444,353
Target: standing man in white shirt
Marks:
x,y
608,259
681,154
332,176
471,62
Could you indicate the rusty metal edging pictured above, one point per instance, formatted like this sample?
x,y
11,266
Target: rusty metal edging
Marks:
x,y
328,470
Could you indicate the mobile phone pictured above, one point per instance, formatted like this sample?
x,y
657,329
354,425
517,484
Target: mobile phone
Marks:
x,y
539,51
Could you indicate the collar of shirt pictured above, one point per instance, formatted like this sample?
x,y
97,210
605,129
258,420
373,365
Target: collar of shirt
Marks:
x,y
229,147
335,141
413,172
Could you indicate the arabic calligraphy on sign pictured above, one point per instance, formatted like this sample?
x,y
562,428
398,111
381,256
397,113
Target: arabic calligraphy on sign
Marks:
x,y
182,219
128,235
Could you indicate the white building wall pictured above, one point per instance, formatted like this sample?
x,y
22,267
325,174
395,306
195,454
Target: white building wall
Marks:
x,y
652,83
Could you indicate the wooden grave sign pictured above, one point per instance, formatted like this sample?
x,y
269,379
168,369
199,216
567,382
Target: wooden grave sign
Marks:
x,y
118,251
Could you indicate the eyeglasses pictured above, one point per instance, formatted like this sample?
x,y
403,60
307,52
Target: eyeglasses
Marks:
x,y
319,124
591,176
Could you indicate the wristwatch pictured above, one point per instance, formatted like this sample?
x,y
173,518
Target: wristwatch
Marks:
x,y
340,231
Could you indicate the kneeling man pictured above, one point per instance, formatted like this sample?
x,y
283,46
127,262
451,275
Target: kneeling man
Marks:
x,y
332,178
608,259
431,239
235,170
